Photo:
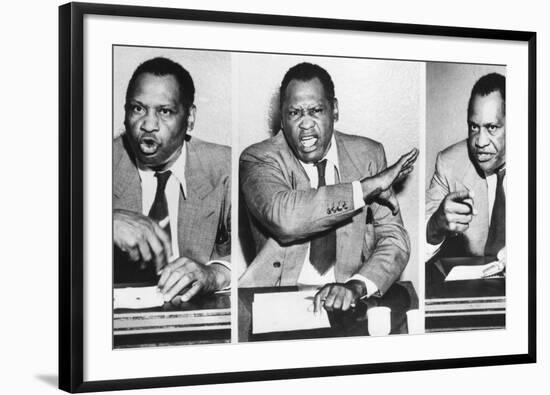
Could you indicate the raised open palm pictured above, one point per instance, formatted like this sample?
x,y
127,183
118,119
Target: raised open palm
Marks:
x,y
399,170
378,187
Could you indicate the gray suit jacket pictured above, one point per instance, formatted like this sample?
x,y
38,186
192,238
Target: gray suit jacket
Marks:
x,y
286,212
204,216
455,171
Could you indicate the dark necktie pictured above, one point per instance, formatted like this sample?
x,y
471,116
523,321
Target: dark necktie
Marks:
x,y
497,231
159,209
323,247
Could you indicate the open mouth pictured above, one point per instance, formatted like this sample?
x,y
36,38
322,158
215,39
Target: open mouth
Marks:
x,y
308,143
149,145
484,156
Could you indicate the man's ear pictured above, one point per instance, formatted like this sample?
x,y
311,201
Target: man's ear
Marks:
x,y
191,116
335,109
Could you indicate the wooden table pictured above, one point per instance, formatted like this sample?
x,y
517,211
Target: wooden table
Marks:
x,y
465,304
205,319
401,297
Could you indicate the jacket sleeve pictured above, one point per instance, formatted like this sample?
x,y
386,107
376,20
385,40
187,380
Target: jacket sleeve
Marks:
x,y
287,213
222,245
387,245
439,187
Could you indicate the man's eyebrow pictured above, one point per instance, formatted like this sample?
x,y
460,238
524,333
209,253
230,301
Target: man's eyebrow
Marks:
x,y
162,105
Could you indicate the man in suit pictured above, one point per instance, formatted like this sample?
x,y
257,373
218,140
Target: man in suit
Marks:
x,y
171,193
465,202
320,201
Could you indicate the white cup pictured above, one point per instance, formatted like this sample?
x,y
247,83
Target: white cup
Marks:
x,y
379,321
415,322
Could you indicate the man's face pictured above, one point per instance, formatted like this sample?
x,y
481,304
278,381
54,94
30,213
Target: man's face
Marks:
x,y
156,121
487,132
307,119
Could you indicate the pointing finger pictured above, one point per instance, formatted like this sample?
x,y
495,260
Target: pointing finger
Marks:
x,y
164,239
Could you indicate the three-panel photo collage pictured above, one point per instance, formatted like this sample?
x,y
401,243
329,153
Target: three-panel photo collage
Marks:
x,y
262,197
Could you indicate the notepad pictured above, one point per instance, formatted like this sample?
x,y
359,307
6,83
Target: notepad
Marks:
x,y
475,272
137,297
286,311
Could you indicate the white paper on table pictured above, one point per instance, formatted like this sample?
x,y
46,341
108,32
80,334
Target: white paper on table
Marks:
x,y
286,311
474,272
137,297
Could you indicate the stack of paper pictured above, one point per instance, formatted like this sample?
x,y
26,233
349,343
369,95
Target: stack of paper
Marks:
x,y
286,311
137,298
475,272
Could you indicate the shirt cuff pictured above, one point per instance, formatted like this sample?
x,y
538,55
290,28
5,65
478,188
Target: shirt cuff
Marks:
x,y
358,201
227,265
372,289
431,249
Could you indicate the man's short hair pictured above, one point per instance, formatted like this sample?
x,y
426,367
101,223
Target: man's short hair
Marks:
x,y
488,84
306,72
160,67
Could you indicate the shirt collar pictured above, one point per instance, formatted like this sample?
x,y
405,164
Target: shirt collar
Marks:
x,y
178,170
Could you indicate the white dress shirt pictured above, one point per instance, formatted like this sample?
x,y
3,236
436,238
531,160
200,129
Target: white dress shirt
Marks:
x,y
432,249
309,275
172,193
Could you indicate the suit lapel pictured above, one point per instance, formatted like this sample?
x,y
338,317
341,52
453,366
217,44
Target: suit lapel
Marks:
x,y
127,185
195,208
477,232
349,171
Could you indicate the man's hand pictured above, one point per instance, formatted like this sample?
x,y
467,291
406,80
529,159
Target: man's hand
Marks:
x,y
339,296
378,186
142,238
453,215
193,277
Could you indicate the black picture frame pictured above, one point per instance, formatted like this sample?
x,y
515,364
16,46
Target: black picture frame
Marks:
x,y
71,194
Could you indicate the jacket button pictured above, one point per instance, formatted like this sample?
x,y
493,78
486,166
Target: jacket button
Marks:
x,y
277,264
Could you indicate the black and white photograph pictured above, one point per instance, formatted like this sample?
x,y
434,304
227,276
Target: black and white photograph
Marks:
x,y
465,197
270,197
171,197
329,196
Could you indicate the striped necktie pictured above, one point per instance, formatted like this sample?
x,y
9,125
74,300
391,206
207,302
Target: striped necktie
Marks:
x,y
323,247
159,209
